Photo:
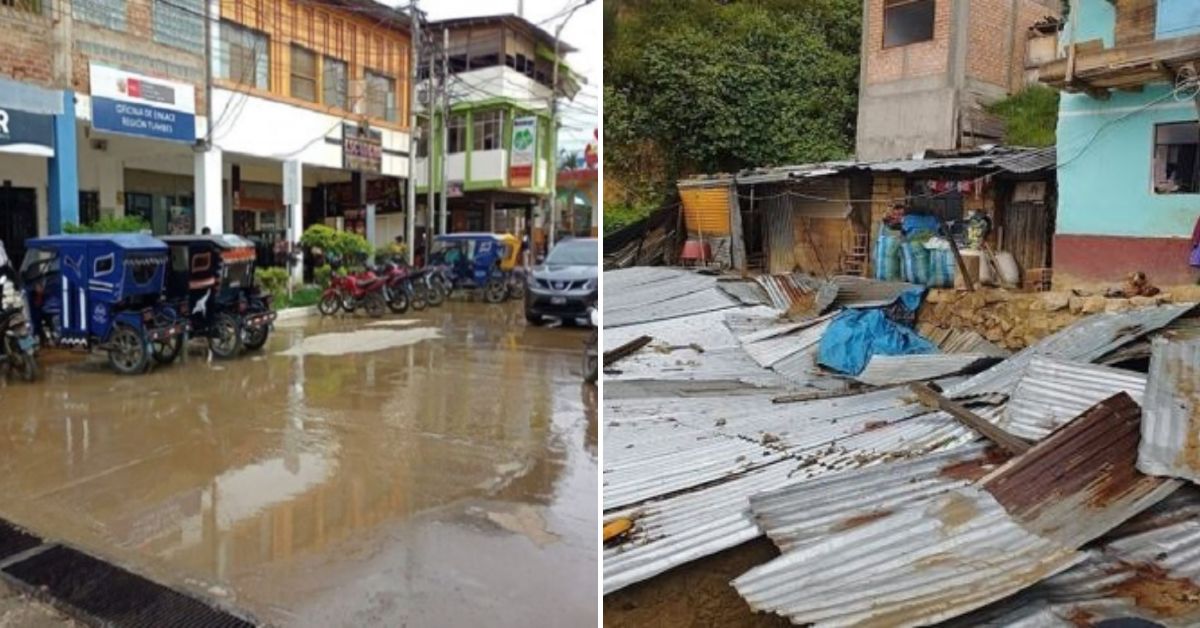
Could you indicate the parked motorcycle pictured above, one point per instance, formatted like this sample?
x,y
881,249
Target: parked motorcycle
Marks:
x,y
17,344
395,288
349,292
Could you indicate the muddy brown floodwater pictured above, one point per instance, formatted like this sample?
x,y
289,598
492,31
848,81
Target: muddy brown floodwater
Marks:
x,y
440,471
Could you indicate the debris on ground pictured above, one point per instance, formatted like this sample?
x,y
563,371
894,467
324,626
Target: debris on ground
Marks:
x,y
1022,479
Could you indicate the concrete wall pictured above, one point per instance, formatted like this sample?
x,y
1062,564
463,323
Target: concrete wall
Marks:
x,y
1110,220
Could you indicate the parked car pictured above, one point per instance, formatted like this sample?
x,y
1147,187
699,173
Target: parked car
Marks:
x,y
566,284
102,291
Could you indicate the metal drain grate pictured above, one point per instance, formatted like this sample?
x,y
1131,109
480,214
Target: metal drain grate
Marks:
x,y
14,540
112,596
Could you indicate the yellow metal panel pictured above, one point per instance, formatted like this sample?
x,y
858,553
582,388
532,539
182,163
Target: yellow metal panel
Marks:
x,y
706,210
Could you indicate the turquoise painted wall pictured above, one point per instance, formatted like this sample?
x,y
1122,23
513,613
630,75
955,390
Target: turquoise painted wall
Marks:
x,y
1105,153
1177,18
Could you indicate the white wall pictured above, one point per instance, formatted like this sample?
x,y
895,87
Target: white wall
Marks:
x,y
489,165
103,170
273,130
500,81
26,171
456,167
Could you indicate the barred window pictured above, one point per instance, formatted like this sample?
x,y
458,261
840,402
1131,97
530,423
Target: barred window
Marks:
x,y
106,13
456,133
489,130
32,6
242,56
381,96
180,24
304,74
334,82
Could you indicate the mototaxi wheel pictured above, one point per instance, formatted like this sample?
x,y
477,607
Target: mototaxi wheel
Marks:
x,y
128,353
165,351
495,290
254,338
226,339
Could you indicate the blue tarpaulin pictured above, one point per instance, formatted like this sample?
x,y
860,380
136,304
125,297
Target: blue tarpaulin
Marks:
x,y
856,335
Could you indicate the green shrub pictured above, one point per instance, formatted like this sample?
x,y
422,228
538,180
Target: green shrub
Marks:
x,y
341,244
301,297
1030,116
322,274
110,224
274,280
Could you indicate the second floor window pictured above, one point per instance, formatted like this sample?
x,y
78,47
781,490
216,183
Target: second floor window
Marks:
x,y
333,82
456,134
180,23
242,56
304,74
381,96
1177,158
106,13
489,130
32,6
907,22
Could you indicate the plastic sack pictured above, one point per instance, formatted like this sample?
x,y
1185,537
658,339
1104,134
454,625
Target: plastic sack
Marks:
x,y
856,335
915,265
887,255
915,225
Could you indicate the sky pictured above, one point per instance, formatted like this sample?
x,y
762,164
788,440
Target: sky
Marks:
x,y
583,31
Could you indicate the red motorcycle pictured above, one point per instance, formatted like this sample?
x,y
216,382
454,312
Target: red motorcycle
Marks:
x,y
350,292
397,289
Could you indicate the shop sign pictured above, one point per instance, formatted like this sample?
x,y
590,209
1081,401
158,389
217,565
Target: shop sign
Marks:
x,y
26,133
362,149
524,152
133,104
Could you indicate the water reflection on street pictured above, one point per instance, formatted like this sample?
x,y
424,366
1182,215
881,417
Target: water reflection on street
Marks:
x,y
437,469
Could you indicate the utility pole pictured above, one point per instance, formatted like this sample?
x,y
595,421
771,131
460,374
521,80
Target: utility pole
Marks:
x,y
553,161
429,100
445,121
410,220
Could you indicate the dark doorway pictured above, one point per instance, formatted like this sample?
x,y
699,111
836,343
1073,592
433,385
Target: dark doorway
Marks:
x,y
18,219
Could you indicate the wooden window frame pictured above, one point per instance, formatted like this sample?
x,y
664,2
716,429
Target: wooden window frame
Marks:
x,y
315,77
889,5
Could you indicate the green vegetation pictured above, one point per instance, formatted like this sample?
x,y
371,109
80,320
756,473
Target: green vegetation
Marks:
x,y
274,280
720,85
617,217
331,241
301,297
322,275
1030,116
110,224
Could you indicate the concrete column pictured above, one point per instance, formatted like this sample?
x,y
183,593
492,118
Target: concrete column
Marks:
x,y
295,216
64,169
227,198
210,210
370,219
111,173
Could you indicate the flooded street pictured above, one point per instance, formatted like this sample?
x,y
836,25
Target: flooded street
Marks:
x,y
433,469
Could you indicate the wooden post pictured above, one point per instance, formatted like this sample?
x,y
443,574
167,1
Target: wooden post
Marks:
x,y
962,266
932,399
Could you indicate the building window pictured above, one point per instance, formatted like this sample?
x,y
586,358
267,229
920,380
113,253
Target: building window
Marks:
x,y
456,133
422,143
180,24
907,22
106,13
1177,158
242,56
381,96
489,130
334,82
304,74
32,6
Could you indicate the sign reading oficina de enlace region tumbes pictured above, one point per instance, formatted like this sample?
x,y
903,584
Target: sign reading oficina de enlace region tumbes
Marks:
x,y
133,104
524,143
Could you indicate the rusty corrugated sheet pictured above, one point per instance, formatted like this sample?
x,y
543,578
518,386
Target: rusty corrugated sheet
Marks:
x,y
798,292
1171,429
961,341
777,223
944,556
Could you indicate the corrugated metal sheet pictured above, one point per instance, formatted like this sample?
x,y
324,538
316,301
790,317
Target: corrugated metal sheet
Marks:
x,y
972,545
1051,392
1171,429
1149,568
860,292
888,370
746,292
780,241
1084,341
961,341
641,295
799,292
706,210
922,564
805,512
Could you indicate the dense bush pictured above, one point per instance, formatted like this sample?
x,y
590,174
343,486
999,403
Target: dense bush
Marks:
x,y
274,280
330,241
322,274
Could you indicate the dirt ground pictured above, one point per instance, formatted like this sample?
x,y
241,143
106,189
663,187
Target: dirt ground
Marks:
x,y
20,611
696,594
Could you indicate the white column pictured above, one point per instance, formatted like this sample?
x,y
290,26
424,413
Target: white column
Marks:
x,y
210,196
293,183
111,174
371,230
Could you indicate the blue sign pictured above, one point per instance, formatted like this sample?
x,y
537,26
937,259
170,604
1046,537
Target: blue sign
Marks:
x,y
119,116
